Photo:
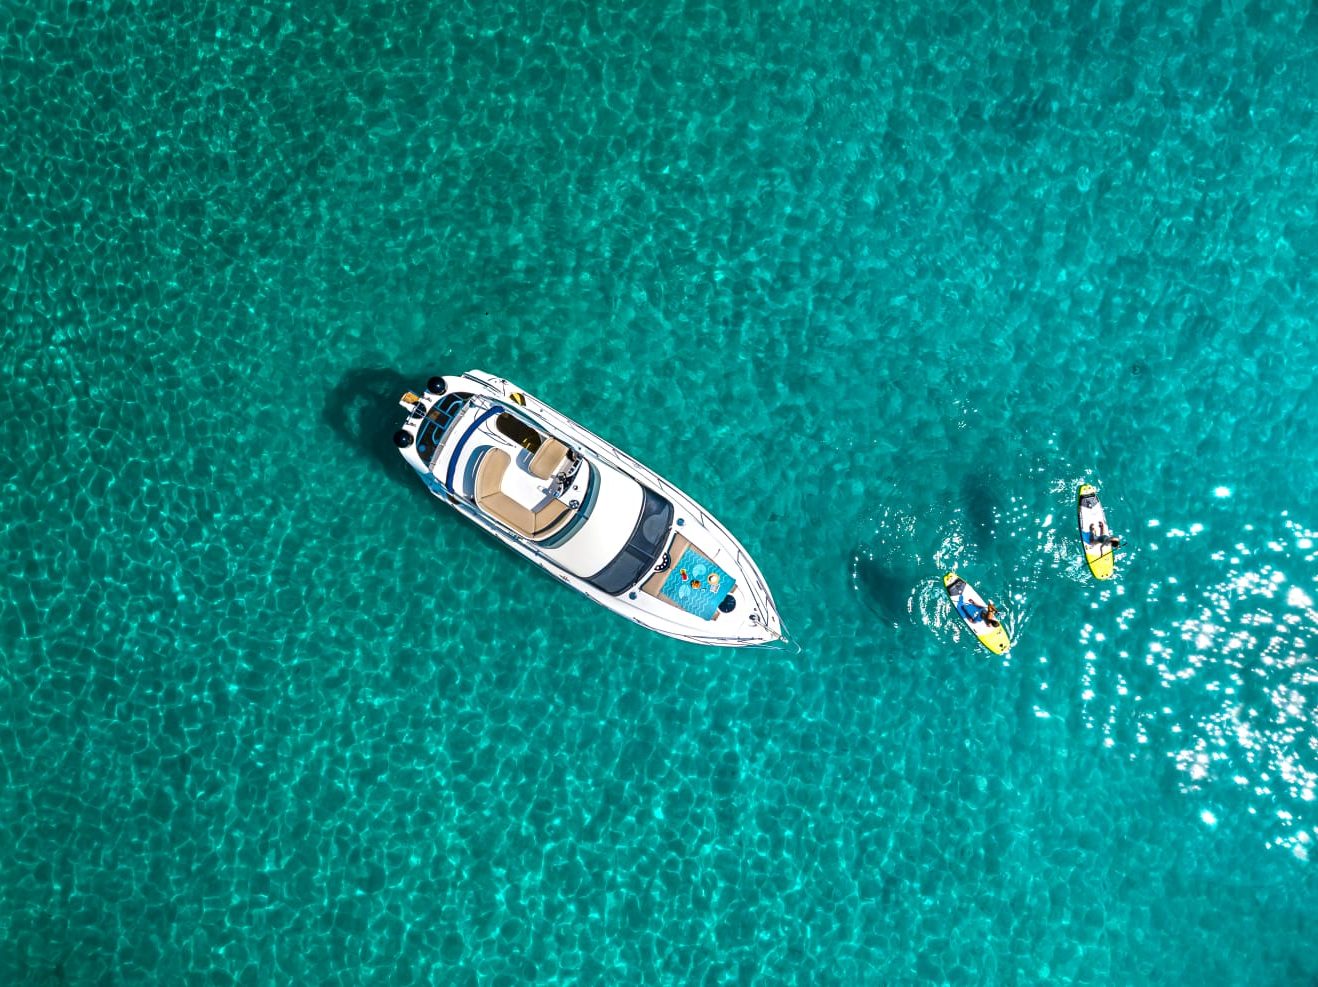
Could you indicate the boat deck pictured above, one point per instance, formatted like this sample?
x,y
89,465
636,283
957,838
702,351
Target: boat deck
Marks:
x,y
685,580
503,491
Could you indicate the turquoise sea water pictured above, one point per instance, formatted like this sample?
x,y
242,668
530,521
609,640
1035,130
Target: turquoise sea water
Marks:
x,y
878,283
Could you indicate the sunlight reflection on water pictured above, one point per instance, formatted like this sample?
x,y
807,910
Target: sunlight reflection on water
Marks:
x,y
1199,650
1235,679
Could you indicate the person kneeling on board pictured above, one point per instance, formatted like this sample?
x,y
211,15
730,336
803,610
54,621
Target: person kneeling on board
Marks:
x,y
1099,535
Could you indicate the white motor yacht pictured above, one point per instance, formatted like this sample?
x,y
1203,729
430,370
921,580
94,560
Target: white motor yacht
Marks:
x,y
584,511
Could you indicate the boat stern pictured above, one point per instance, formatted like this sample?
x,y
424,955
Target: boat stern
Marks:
x,y
429,415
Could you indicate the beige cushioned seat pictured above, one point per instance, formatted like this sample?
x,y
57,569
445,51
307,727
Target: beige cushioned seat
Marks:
x,y
655,583
548,458
491,499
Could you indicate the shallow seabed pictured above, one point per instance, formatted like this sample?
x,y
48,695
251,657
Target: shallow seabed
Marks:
x,y
880,284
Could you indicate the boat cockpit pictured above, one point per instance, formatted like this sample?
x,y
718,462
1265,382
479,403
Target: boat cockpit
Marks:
x,y
530,481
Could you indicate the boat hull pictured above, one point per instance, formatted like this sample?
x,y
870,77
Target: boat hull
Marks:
x,y
753,621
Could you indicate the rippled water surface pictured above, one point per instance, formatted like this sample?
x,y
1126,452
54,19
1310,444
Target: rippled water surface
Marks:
x,y
880,284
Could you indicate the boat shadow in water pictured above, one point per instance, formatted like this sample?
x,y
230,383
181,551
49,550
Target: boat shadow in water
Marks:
x,y
362,410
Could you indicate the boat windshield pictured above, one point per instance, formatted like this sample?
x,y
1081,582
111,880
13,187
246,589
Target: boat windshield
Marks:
x,y
641,552
519,431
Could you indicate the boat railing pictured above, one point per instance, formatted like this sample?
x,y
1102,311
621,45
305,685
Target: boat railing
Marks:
x,y
764,597
464,506
750,571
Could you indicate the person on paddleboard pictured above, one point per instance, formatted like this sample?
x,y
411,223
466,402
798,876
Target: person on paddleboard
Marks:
x,y
988,613
1099,535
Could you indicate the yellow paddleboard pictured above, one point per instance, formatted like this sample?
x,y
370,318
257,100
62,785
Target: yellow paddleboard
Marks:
x,y
970,607
1093,528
